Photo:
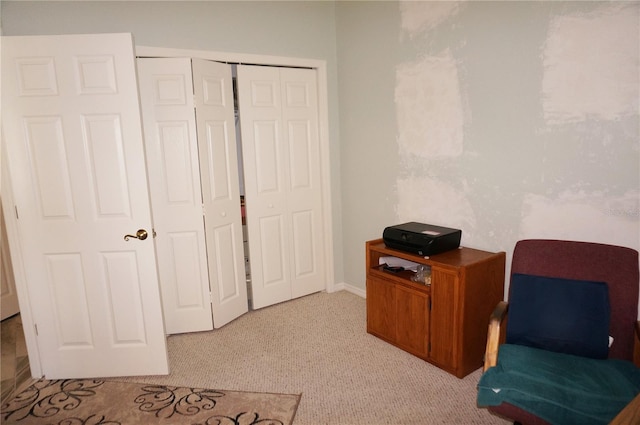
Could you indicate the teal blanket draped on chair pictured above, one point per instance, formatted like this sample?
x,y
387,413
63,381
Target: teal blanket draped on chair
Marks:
x,y
560,388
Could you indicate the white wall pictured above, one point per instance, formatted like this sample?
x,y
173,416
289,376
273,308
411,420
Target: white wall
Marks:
x,y
508,120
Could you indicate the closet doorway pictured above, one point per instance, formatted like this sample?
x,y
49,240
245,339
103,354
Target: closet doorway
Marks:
x,y
279,176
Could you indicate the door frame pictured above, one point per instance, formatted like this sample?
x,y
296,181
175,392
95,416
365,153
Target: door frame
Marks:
x,y
17,262
145,51
320,66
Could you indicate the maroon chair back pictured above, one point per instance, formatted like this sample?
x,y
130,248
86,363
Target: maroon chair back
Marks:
x,y
615,265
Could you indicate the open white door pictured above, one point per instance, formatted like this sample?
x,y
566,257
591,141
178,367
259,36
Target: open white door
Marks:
x,y
74,141
213,89
283,183
166,94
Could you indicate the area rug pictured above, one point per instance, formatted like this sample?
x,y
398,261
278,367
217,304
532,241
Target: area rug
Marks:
x,y
98,402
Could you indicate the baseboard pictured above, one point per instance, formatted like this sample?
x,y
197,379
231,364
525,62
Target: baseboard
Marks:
x,y
349,288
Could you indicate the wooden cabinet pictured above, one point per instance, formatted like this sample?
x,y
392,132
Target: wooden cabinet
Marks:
x,y
444,323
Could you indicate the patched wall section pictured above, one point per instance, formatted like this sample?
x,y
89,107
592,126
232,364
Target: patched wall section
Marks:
x,y
429,107
591,66
520,120
591,87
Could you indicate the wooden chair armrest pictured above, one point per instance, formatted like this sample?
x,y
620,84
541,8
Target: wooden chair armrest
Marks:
x,y
630,415
636,345
496,334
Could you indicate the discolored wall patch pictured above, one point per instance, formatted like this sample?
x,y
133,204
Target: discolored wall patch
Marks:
x,y
420,16
420,197
429,107
577,215
591,66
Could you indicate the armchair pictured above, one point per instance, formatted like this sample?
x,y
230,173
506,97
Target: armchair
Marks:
x,y
566,354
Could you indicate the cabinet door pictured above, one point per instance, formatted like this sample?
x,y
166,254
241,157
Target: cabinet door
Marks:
x,y
444,288
412,321
381,308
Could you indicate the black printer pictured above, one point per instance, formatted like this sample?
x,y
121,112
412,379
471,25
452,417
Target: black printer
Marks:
x,y
421,239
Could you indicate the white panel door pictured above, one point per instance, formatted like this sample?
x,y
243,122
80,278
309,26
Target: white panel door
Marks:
x,y
304,185
280,143
74,141
259,98
213,89
166,93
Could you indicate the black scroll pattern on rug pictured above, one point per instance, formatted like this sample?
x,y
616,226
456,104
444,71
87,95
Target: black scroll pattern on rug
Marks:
x,y
66,395
243,418
58,402
167,401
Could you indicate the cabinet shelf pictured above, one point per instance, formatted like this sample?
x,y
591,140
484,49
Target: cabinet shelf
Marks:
x,y
444,323
403,278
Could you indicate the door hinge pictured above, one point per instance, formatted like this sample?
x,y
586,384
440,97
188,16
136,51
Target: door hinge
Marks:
x,y
35,326
16,208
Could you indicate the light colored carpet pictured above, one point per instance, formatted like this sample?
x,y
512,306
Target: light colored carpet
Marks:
x,y
318,346
93,401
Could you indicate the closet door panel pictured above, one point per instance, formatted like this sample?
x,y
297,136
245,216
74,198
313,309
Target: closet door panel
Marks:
x,y
213,90
304,191
281,147
300,162
266,177
269,264
174,183
227,276
273,265
266,139
218,158
186,258
304,261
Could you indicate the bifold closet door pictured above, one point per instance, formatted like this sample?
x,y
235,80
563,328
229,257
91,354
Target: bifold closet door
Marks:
x,y
283,194
166,93
217,144
191,154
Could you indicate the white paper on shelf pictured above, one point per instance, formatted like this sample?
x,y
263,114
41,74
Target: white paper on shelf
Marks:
x,y
398,262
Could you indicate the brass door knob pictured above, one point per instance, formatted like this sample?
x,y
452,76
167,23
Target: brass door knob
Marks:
x,y
140,234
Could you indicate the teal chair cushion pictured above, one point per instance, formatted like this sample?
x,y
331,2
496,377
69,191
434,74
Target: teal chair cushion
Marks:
x,y
559,388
